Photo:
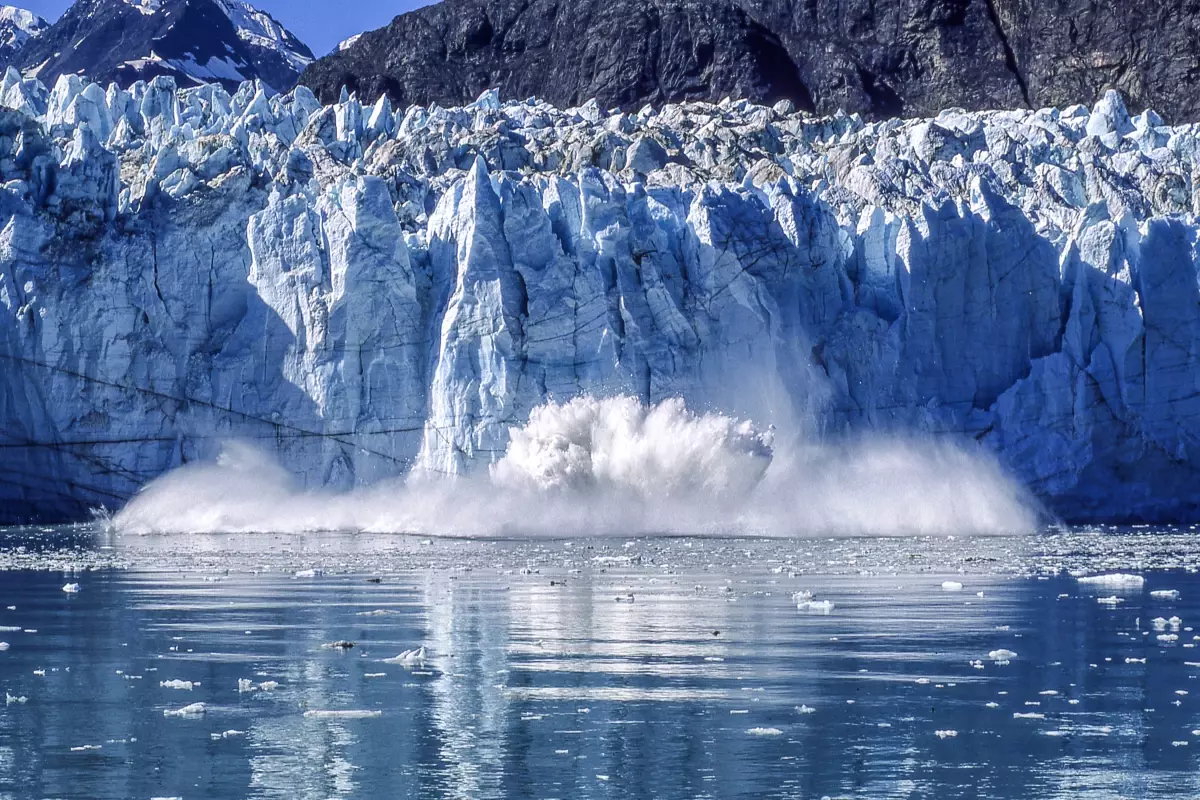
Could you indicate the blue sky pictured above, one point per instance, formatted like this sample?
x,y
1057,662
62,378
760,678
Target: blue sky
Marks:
x,y
321,24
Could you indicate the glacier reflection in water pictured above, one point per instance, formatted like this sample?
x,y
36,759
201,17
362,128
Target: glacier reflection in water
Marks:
x,y
627,678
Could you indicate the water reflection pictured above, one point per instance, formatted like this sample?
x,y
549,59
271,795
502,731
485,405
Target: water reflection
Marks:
x,y
621,681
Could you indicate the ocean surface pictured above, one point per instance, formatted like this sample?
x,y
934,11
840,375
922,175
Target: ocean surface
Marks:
x,y
598,668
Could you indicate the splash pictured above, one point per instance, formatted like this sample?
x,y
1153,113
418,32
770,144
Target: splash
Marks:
x,y
615,466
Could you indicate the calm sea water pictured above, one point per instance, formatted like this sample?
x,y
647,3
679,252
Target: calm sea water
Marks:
x,y
605,669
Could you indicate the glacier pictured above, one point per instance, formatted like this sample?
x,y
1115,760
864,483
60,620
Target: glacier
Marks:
x,y
365,291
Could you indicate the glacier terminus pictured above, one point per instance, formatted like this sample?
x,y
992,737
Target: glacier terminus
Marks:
x,y
364,291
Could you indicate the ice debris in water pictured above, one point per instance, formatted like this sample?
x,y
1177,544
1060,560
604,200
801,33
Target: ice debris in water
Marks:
x,y
4,645
193,710
177,684
806,709
1002,656
1165,594
226,735
952,586
947,734
1116,580
72,588
765,732
10,699
416,656
349,714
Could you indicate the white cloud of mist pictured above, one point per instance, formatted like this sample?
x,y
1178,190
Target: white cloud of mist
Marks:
x,y
613,466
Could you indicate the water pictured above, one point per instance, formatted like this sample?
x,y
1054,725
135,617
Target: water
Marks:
x,y
649,668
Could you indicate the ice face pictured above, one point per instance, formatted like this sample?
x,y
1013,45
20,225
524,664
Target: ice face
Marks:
x,y
362,291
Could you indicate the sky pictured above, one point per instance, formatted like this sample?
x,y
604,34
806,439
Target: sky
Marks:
x,y
320,24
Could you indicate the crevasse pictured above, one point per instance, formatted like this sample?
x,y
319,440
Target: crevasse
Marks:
x,y
364,291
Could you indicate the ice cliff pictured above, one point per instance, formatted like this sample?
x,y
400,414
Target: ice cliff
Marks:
x,y
364,290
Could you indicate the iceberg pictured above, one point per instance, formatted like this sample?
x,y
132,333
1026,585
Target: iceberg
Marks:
x,y
368,292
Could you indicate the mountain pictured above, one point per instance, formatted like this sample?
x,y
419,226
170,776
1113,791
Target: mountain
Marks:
x,y
880,59
17,26
362,291
194,41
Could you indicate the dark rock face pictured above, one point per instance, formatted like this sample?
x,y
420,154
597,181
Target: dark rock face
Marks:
x,y
882,58
193,41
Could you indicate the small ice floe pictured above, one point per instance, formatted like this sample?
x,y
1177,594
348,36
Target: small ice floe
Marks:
x,y
1109,601
1135,661
4,646
951,586
1001,656
340,644
992,704
86,748
945,734
246,685
10,628
1159,623
13,700
194,710
306,573
216,737
765,732
41,673
1165,594
375,675
805,709
739,711
1179,743
1175,622
1168,637
824,607
408,657
1117,580
379,612
350,714
1049,693
185,685
1028,715
72,588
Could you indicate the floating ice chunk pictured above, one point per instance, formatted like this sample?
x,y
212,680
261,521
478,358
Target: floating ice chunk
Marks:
x,y
408,657
307,573
85,748
245,685
806,709
1109,601
1168,637
375,675
10,628
765,732
1028,715
1175,622
1135,661
194,710
1179,743
952,586
945,734
992,704
350,714
176,684
1165,594
1117,580
1002,656
10,700
1159,623
816,606
226,735
1049,693
72,588
4,646
269,686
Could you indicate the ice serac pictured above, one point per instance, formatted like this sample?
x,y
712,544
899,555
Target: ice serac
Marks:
x,y
364,292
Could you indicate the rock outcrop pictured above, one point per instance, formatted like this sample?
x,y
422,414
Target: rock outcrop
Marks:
x,y
907,58
363,290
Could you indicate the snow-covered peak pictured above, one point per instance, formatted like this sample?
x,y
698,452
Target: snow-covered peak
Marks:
x,y
17,26
193,41
147,7
261,29
346,44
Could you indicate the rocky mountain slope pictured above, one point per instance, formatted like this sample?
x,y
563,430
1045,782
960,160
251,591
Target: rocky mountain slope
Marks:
x,y
193,41
363,290
882,59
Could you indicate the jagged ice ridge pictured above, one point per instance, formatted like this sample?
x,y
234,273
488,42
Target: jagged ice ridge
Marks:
x,y
364,291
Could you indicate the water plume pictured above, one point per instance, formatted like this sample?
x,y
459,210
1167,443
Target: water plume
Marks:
x,y
594,466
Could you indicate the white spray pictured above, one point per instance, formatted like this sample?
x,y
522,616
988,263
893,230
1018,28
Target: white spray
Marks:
x,y
614,466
